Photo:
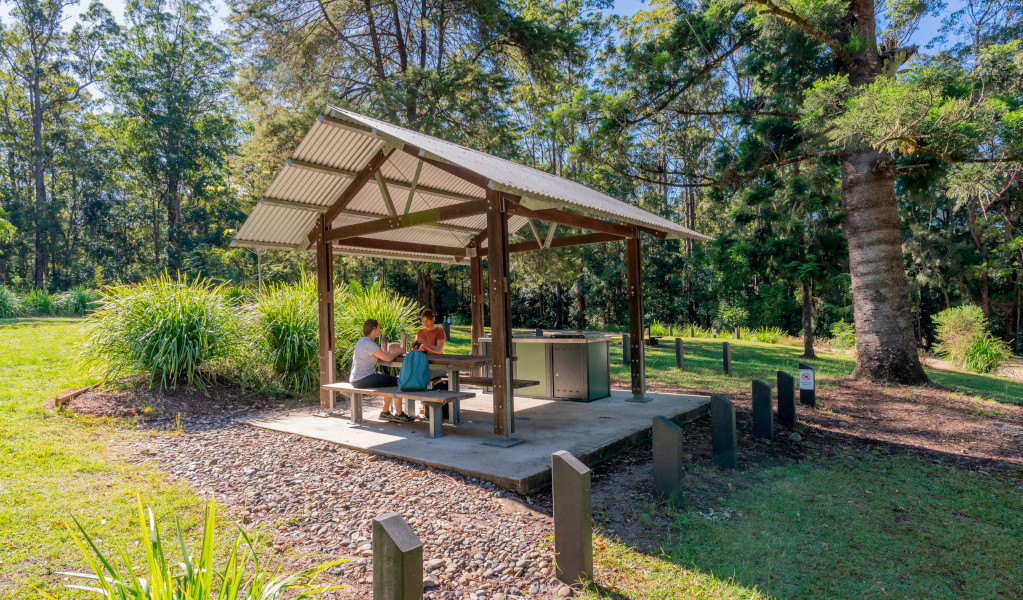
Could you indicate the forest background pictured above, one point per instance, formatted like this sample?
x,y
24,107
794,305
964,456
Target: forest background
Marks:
x,y
136,145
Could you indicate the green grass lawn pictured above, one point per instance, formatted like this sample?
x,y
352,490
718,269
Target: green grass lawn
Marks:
x,y
54,467
855,526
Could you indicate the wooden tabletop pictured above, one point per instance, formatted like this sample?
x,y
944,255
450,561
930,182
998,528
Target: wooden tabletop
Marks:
x,y
452,360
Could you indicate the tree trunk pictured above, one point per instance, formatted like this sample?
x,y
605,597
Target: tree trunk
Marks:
x,y
885,344
807,291
173,225
559,312
42,257
424,285
580,299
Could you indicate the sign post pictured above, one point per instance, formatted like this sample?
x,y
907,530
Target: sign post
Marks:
x,y
807,385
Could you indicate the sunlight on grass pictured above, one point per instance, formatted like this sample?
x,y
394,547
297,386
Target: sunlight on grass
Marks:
x,y
54,466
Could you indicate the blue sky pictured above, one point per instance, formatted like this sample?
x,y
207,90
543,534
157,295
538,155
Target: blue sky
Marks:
x,y
928,27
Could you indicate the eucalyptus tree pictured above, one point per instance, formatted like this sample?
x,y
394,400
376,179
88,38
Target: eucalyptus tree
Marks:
x,y
52,67
168,79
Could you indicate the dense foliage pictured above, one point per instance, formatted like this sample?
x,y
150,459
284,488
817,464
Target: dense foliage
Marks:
x,y
286,329
128,149
965,340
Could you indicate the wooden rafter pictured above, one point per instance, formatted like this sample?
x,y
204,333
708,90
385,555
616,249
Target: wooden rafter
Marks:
x,y
351,190
393,246
584,239
459,172
360,213
554,215
308,166
423,217
386,195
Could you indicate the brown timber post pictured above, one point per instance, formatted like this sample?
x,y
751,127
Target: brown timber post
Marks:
x,y
500,319
325,293
476,287
634,267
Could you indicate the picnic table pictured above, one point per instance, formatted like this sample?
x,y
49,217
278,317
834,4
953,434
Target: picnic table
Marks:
x,y
452,363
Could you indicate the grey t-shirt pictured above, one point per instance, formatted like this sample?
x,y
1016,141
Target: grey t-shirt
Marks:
x,y
363,360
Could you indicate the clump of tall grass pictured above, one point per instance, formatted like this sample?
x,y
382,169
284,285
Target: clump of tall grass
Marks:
x,y
354,304
76,302
195,574
767,335
165,327
286,327
38,302
965,340
11,305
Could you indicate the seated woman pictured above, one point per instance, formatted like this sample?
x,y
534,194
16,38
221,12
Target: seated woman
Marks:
x,y
364,375
430,338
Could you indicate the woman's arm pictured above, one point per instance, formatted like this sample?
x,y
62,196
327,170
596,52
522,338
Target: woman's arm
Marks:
x,y
388,356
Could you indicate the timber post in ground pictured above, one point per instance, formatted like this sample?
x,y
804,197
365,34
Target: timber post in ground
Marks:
x,y
763,419
573,518
397,560
722,416
668,444
786,398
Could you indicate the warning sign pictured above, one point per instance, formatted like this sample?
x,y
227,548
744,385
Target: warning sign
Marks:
x,y
806,379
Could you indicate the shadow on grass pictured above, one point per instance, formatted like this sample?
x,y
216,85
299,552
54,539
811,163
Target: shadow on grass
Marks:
x,y
850,519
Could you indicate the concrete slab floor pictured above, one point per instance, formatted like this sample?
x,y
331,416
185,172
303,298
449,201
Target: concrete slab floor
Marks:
x,y
592,431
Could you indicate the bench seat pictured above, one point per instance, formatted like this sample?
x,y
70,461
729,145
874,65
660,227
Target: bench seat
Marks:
x,y
433,399
489,382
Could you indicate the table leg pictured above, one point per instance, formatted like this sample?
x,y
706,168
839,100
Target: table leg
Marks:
x,y
454,384
410,407
436,419
356,409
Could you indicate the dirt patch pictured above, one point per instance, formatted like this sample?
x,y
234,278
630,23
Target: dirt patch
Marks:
x,y
160,408
921,419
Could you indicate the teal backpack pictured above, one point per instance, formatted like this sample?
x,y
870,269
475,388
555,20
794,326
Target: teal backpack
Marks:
x,y
415,373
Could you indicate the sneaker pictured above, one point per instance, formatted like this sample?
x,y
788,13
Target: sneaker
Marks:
x,y
403,418
387,416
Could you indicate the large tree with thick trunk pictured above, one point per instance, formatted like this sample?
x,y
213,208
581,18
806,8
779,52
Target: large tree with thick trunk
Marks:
x,y
802,83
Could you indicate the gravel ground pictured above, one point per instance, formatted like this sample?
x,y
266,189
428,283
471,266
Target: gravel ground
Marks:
x,y
319,499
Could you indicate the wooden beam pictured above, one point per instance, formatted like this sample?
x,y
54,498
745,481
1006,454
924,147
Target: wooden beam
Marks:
x,y
343,124
500,313
459,172
351,190
423,217
554,215
477,288
386,195
584,239
313,167
412,186
634,269
377,244
367,215
325,295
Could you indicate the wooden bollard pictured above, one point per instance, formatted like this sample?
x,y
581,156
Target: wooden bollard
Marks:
x,y
786,398
397,560
626,350
722,417
668,444
680,356
713,332
737,334
692,331
447,329
763,420
573,518
807,385
726,357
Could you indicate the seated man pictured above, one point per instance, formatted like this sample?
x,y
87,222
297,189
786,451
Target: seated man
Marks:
x,y
364,375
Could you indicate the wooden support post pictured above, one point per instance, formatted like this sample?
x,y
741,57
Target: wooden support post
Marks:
x,y
500,319
763,417
726,357
397,560
668,445
573,518
634,266
477,288
786,398
722,418
325,297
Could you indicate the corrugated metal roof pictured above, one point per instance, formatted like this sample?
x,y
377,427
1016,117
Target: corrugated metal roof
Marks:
x,y
340,143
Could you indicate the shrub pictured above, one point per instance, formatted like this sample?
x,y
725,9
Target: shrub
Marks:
x,y
39,302
76,302
354,304
767,335
844,334
958,330
11,305
168,328
237,295
986,354
286,327
243,575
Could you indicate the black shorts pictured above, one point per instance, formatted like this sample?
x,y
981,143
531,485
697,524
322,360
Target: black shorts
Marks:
x,y
376,380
